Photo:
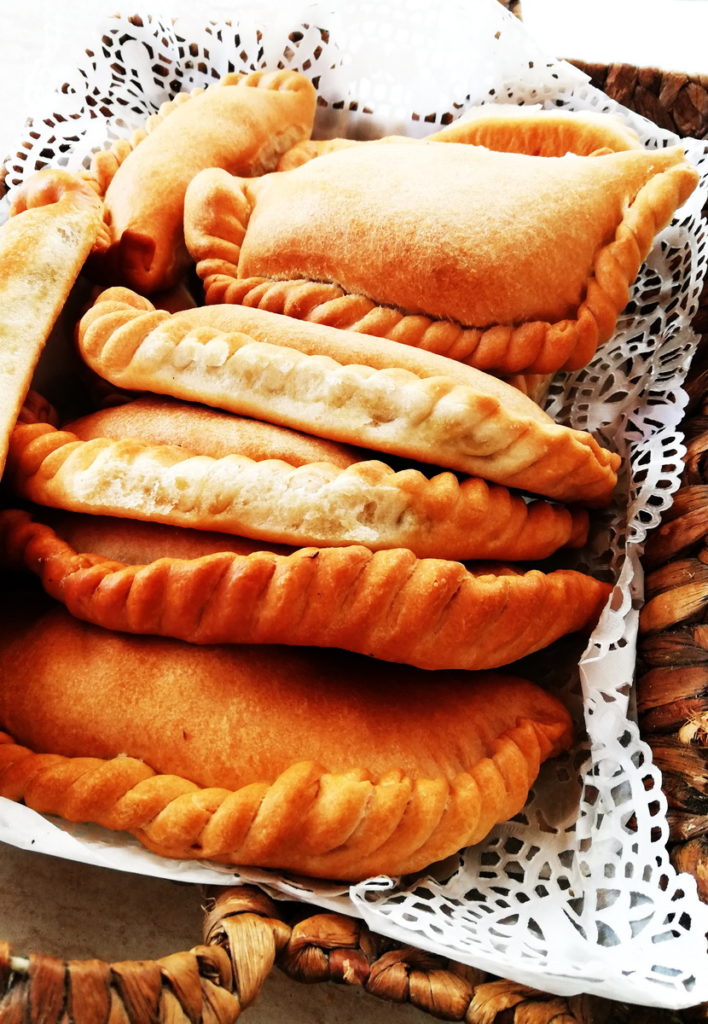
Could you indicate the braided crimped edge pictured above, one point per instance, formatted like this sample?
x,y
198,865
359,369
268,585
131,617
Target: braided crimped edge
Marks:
x,y
105,163
219,207
307,819
429,613
431,418
317,503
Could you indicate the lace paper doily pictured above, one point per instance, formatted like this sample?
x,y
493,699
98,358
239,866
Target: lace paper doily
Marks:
x,y
575,894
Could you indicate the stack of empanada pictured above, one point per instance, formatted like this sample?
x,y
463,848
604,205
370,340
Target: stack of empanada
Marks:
x,y
321,541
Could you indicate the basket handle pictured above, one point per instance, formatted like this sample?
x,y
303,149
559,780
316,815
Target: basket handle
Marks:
x,y
213,982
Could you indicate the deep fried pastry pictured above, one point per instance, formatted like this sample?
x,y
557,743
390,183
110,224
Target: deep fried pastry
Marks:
x,y
338,384
505,261
236,754
54,219
431,613
316,503
241,123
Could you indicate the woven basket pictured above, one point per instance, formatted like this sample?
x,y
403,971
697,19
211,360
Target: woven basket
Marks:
x,y
246,934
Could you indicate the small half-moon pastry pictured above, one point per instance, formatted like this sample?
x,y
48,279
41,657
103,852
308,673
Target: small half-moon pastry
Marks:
x,y
54,219
315,503
507,127
315,762
338,384
241,123
431,613
511,263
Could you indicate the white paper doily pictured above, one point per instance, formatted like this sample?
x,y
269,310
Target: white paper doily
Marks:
x,y
576,894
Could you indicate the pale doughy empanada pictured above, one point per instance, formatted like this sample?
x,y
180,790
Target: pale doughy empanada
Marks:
x,y
54,219
431,613
241,123
341,385
316,503
316,762
505,261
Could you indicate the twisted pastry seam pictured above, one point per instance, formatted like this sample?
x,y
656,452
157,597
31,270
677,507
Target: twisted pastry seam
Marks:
x,y
260,822
536,347
390,605
438,516
234,372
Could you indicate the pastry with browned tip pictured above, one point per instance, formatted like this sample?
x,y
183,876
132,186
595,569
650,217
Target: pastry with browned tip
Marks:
x,y
509,262
432,613
341,385
241,123
54,220
315,762
314,503
507,127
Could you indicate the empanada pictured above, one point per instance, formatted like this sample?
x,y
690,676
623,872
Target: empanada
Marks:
x,y
241,123
54,219
316,762
317,503
507,127
505,261
431,613
338,384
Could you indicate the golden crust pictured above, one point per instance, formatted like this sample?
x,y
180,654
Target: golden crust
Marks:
x,y
230,753
506,127
337,384
430,613
514,129
242,123
313,504
528,276
54,218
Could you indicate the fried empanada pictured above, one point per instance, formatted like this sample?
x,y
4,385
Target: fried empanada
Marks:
x,y
367,392
242,123
511,263
431,613
54,219
316,762
317,503
507,127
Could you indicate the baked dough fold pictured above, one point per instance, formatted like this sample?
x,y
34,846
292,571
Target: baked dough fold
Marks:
x,y
316,503
509,262
241,123
337,384
235,754
431,613
54,220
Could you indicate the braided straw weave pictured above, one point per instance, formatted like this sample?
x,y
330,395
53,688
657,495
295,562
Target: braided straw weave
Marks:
x,y
246,934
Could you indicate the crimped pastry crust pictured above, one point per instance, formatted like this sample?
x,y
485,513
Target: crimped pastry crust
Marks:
x,y
236,754
505,261
54,219
425,612
506,127
314,504
339,385
241,123
210,432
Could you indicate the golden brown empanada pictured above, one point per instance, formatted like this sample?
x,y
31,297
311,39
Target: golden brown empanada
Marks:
x,y
241,123
431,613
338,384
504,261
54,218
310,761
507,127
316,503
511,128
